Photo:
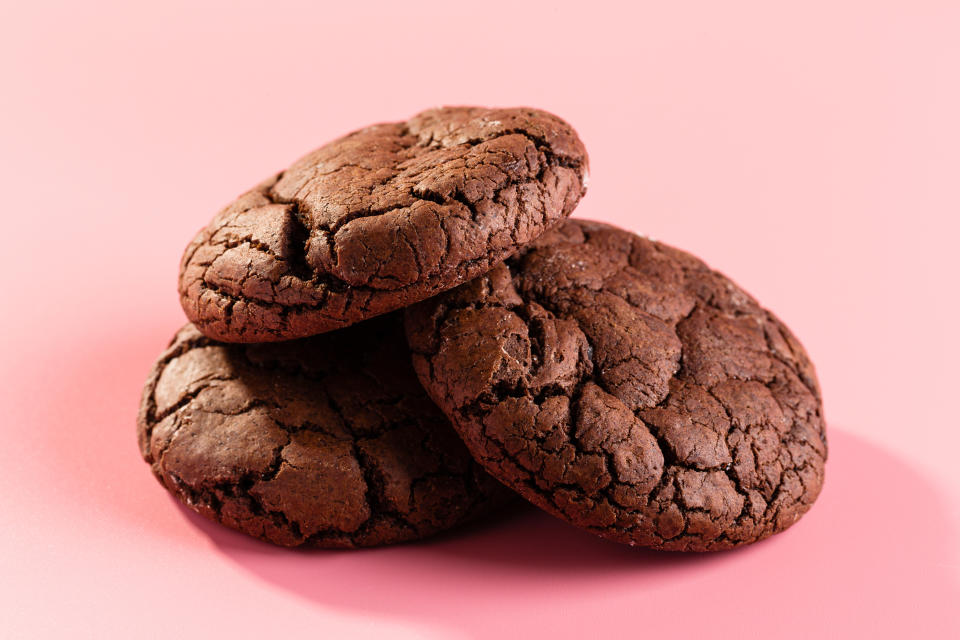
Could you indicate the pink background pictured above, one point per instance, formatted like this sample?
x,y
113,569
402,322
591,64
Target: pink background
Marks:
x,y
810,153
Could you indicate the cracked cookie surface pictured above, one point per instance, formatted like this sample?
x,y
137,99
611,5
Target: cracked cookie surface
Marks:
x,y
379,219
327,441
622,385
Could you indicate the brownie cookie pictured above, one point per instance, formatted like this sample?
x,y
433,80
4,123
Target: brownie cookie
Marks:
x,y
622,385
379,219
327,442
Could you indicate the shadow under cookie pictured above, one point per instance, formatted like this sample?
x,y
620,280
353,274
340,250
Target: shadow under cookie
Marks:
x,y
524,573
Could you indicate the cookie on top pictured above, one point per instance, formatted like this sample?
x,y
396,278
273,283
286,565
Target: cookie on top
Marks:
x,y
379,219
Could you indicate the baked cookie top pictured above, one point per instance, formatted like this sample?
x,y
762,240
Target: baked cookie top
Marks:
x,y
379,219
627,388
328,441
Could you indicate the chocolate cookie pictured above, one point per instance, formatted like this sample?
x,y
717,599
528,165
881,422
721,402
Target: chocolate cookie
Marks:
x,y
625,387
379,219
327,442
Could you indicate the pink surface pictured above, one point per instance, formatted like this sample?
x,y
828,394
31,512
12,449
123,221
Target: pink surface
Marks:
x,y
812,154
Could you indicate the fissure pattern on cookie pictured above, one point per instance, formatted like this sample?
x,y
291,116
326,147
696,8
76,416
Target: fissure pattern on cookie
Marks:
x,y
379,219
324,442
625,387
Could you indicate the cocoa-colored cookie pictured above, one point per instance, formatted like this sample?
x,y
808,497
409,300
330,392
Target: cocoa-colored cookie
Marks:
x,y
622,385
328,441
379,219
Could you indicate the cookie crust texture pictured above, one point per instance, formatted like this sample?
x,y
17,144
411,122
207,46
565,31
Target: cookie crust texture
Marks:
x,y
324,442
622,385
379,219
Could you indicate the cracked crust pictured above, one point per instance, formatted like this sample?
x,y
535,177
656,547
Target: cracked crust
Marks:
x,y
379,219
326,442
625,387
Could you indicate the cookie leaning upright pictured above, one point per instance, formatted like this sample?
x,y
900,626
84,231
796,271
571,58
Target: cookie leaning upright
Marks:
x,y
379,219
626,387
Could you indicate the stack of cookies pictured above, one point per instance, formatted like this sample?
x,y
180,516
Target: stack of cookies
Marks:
x,y
404,330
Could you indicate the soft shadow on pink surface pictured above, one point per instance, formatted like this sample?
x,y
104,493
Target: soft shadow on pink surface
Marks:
x,y
872,556
875,550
